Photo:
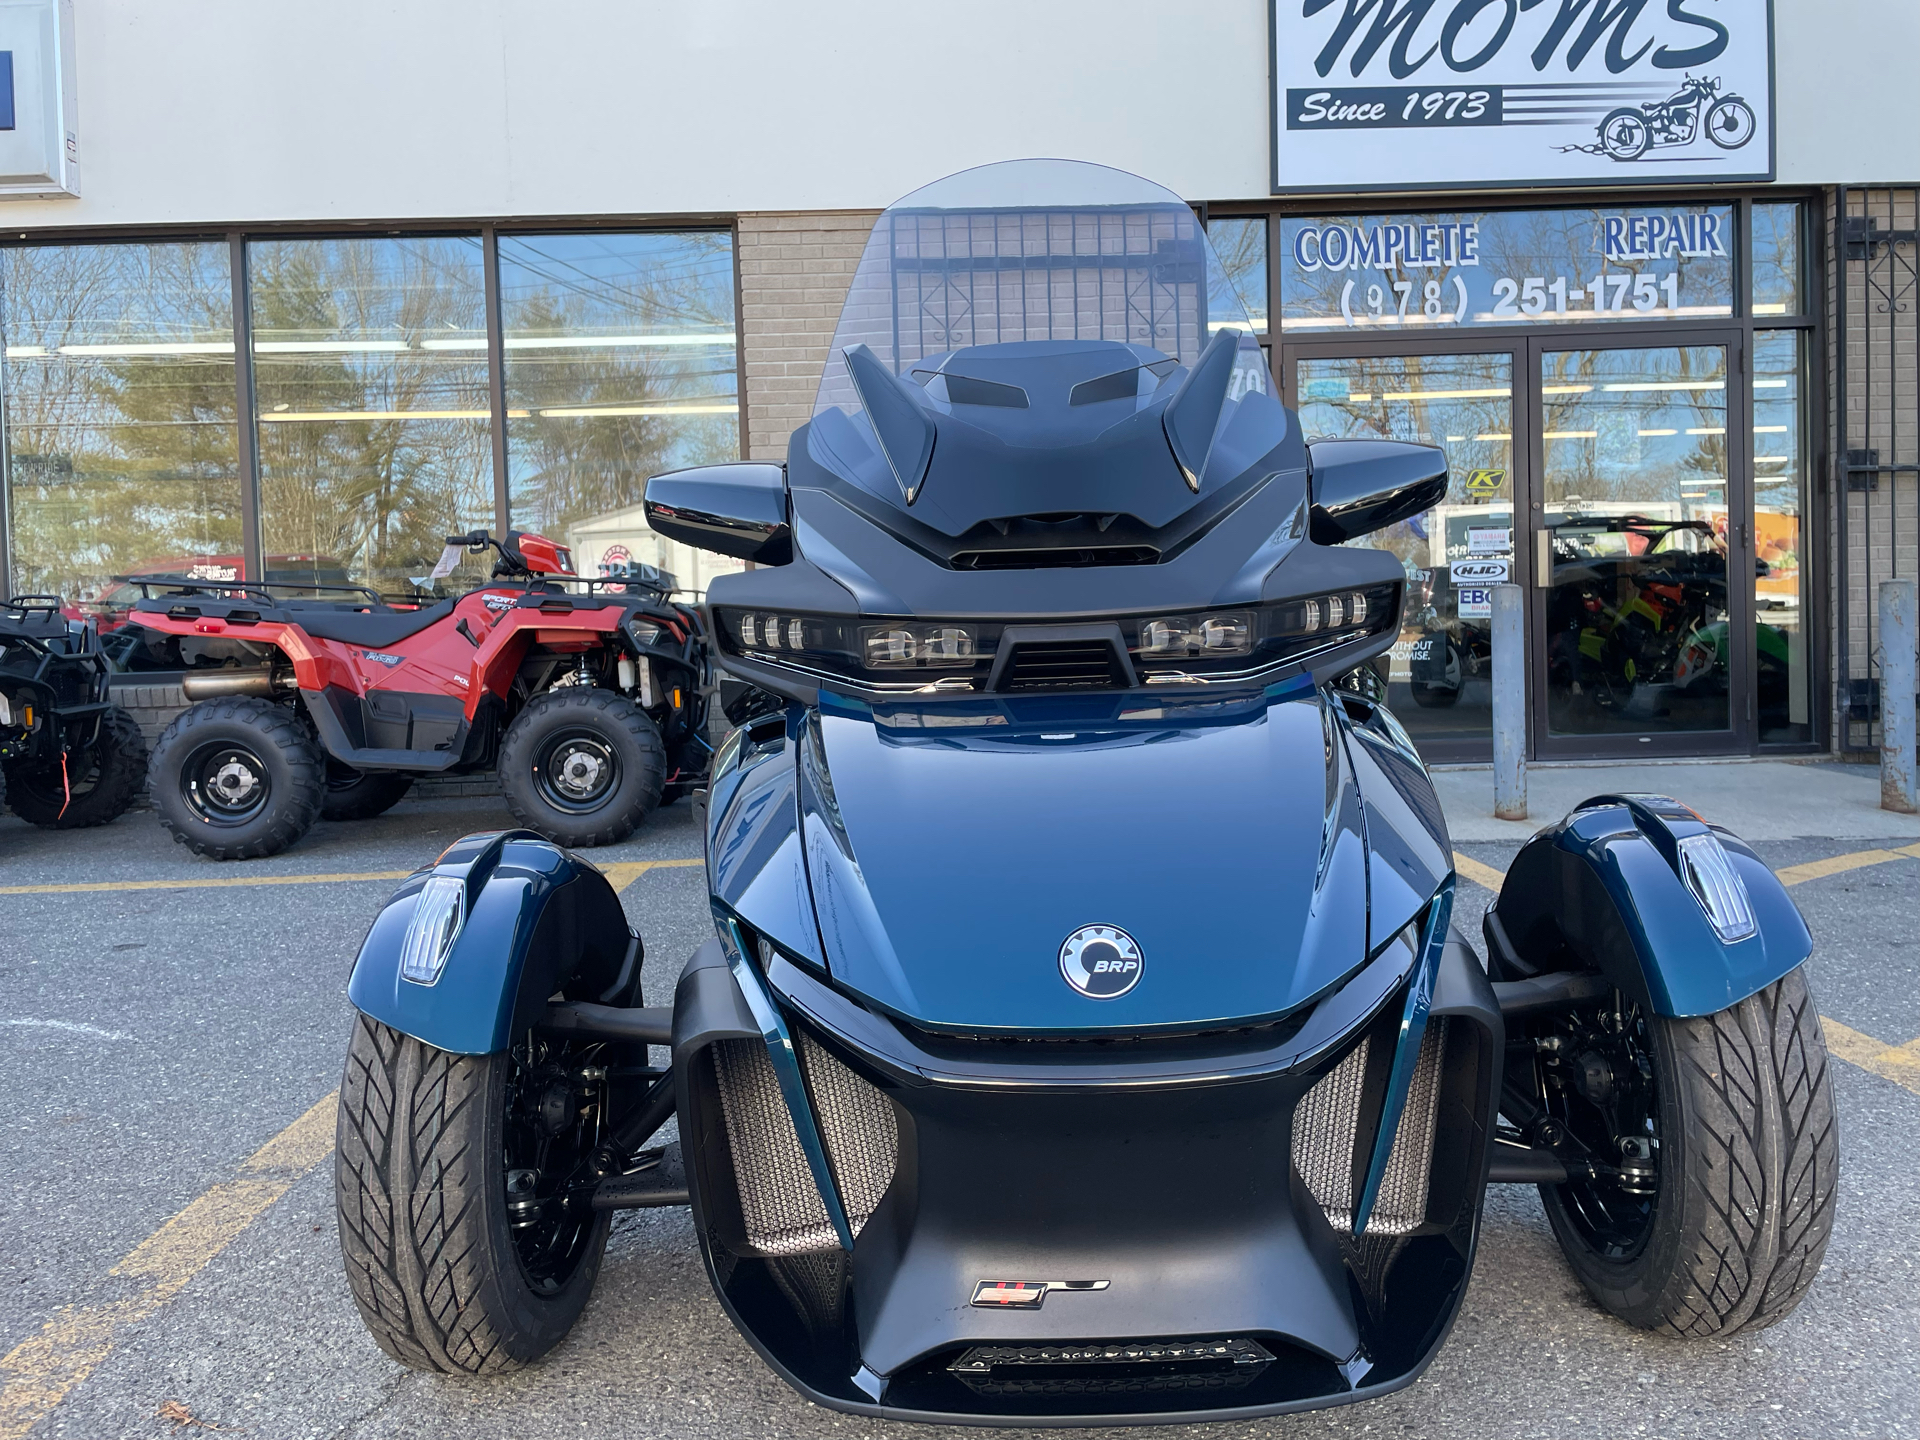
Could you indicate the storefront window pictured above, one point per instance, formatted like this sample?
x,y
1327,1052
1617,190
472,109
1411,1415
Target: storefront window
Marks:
x,y
120,417
370,384
1241,243
1525,267
1781,599
1635,488
1455,552
620,363
1776,260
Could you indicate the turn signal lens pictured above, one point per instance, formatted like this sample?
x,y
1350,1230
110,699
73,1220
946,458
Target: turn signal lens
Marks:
x,y
438,914
1717,886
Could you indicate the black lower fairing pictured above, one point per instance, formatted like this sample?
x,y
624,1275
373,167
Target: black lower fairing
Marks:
x,y
1175,1182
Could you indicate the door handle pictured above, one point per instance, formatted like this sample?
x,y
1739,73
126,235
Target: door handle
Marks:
x,y
1543,558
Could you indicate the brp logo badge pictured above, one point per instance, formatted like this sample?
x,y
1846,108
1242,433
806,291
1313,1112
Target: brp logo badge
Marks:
x,y
1102,962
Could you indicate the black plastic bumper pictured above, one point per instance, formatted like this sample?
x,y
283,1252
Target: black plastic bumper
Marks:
x,y
1229,1293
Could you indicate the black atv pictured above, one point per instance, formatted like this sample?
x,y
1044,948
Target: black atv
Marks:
x,y
68,758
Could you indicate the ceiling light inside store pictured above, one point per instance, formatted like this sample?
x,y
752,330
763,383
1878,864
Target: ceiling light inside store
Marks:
x,y
1770,429
307,416
1776,307
328,347
1501,393
1502,438
1773,459
190,347
581,342
1770,384
1708,430
1631,385
1568,434
1657,432
1360,397
1565,389
590,411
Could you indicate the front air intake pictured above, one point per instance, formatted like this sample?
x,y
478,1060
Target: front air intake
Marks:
x,y
1055,557
1116,1368
1063,665
780,1205
1326,1123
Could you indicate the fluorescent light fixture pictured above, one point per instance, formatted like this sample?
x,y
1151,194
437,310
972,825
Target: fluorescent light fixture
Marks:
x,y
1455,439
1770,429
1565,389
1705,480
1657,432
1773,459
25,352
1775,307
590,411
283,417
1708,430
1502,438
329,347
1568,434
1771,384
582,342
1360,397
1449,394
1630,385
171,347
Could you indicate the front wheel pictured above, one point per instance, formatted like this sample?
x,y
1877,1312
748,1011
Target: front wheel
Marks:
x,y
1721,1156
466,1219
237,779
1730,123
96,785
582,766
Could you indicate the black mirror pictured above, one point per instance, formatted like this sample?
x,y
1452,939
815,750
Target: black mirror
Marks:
x,y
738,510
1359,486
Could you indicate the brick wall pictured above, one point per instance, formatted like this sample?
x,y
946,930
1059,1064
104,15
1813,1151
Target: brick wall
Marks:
x,y
794,273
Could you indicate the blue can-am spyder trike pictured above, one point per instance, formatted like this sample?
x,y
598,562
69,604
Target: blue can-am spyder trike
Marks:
x,y
1083,1037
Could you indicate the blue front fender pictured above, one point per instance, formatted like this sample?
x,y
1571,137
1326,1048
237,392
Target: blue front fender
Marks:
x,y
538,920
1602,890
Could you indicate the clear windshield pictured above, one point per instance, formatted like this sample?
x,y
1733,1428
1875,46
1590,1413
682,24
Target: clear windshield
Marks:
x,y
1033,250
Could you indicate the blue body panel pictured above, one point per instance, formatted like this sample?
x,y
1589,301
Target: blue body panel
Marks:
x,y
953,848
754,865
1603,888
512,879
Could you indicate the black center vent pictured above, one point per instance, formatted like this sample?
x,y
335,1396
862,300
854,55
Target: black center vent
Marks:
x,y
1064,665
1055,557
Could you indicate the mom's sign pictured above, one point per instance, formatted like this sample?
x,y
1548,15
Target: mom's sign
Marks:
x,y
1459,94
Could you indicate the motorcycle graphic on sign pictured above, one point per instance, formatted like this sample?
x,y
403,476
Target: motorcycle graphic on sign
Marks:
x,y
1727,120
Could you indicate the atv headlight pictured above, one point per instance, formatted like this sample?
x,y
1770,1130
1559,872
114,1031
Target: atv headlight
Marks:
x,y
437,916
1717,886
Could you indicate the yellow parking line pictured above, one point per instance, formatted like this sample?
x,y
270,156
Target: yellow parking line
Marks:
x,y
622,874
80,889
1469,868
625,872
1838,864
1898,1063
42,1370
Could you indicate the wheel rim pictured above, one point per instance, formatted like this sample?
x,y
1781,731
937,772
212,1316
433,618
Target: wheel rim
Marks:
x,y
225,783
1626,136
576,771
1612,1210
555,1112
1731,125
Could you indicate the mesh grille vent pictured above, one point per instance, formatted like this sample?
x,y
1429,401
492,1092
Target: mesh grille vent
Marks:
x,y
1325,1124
779,1202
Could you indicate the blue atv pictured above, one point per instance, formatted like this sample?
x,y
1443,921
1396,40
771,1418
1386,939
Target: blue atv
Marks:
x,y
1084,1037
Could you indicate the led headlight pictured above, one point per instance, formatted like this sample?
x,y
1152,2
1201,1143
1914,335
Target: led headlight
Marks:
x,y
438,913
901,644
1717,886
1214,636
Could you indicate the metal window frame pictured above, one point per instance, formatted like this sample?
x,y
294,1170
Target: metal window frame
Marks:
x,y
238,238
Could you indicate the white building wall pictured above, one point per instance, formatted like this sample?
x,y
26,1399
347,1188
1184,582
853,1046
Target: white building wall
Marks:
x,y
225,111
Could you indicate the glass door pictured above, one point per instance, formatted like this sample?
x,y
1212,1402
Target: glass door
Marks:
x,y
1640,636
1440,677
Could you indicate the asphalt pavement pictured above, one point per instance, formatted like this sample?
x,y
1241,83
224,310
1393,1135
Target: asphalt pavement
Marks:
x,y
158,1264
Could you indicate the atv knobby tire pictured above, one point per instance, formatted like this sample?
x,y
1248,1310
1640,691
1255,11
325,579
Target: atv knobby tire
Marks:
x,y
582,766
264,745
101,781
362,794
420,1191
1749,1168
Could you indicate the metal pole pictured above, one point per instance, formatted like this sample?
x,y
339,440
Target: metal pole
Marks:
x,y
1897,635
1509,704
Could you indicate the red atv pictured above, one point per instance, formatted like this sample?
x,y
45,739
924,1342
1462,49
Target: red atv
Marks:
x,y
592,705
